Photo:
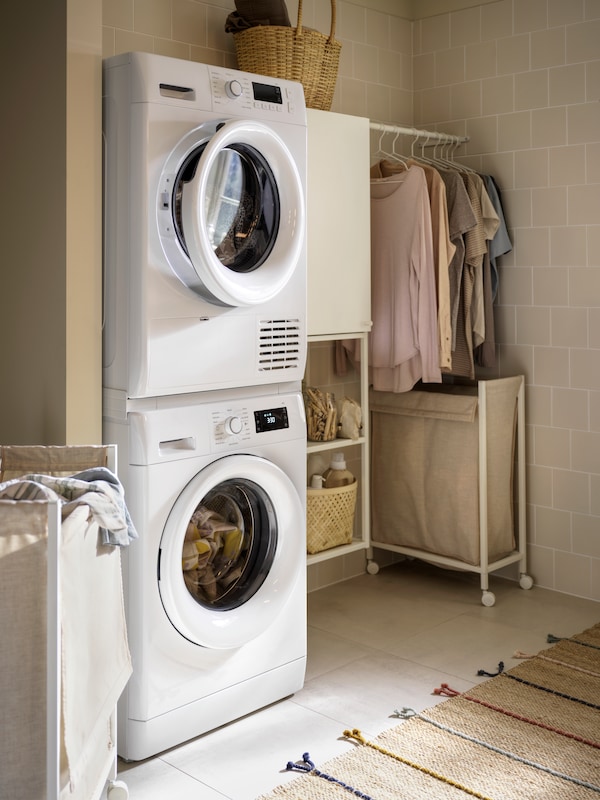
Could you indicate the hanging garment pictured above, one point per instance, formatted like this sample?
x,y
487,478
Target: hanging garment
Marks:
x,y
443,248
404,339
461,219
501,243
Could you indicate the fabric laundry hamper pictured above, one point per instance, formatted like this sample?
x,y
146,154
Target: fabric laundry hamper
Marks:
x,y
426,469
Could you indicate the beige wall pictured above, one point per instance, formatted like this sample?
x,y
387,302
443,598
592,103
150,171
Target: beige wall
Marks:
x,y
50,297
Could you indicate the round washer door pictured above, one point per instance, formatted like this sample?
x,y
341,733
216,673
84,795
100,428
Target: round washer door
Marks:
x,y
239,213
231,552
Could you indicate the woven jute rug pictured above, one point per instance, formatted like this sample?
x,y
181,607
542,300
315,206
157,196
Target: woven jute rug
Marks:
x,y
530,732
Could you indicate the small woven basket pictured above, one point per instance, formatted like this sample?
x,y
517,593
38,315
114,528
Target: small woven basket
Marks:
x,y
295,54
329,517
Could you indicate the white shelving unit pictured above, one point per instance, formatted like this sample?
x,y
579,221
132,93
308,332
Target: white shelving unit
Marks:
x,y
339,274
361,538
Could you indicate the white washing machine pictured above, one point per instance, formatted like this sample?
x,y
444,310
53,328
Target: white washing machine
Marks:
x,y
215,587
205,227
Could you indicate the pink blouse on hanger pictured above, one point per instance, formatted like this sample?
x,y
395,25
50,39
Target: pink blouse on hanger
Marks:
x,y
404,344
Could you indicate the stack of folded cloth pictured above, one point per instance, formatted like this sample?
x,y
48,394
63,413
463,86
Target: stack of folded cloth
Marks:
x,y
257,12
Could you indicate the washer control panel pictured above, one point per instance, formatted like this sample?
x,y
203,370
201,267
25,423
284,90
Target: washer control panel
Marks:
x,y
236,424
239,92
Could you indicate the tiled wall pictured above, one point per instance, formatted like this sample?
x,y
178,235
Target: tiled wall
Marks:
x,y
522,80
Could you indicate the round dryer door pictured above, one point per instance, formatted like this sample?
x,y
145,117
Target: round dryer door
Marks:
x,y
232,551
238,211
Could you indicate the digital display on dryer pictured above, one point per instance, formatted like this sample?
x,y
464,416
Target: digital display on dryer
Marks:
x,y
272,419
267,93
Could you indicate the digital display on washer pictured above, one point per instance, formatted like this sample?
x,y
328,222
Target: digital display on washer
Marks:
x,y
267,93
272,419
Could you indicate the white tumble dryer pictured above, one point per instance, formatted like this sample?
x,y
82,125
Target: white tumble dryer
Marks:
x,y
215,587
205,227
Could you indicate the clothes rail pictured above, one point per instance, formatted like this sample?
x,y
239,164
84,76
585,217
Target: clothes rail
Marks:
x,y
434,136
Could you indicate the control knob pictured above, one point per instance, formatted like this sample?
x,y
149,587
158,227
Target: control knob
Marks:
x,y
233,89
233,426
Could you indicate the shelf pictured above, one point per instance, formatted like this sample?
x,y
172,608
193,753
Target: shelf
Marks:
x,y
334,552
333,444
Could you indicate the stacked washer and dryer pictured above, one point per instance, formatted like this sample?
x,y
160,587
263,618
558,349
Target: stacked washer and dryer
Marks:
x,y
204,352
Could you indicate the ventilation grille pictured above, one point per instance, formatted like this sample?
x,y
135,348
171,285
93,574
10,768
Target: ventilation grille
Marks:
x,y
279,344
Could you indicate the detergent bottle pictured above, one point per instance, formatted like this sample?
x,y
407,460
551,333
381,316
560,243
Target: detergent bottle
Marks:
x,y
337,474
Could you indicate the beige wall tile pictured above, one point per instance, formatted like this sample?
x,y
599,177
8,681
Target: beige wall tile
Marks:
x,y
568,165
515,286
551,366
594,411
465,26
435,106
592,81
540,561
548,48
465,100
435,33
517,207
566,85
586,451
584,286
378,31
531,89
390,69
531,247
573,574
569,327
401,107
539,485
585,369
450,66
586,538
118,14
480,60
498,95
505,324
496,20
538,407
401,35
550,286
548,127
126,41
584,202
594,327
561,13
584,122
595,505
549,206
189,22
424,71
570,408
153,17
513,54
567,247
571,491
533,325
365,62
552,447
515,359
582,41
167,47
530,16
514,131
351,23
593,240
553,528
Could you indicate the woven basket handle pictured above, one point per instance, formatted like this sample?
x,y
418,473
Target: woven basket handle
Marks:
x,y
333,18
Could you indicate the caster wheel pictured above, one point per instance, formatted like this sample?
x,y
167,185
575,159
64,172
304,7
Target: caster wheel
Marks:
x,y
525,581
372,567
488,599
117,790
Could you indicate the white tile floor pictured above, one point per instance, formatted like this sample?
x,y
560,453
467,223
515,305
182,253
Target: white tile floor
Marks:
x,y
375,643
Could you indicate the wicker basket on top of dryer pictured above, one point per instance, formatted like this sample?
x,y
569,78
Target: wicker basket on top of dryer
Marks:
x,y
448,476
